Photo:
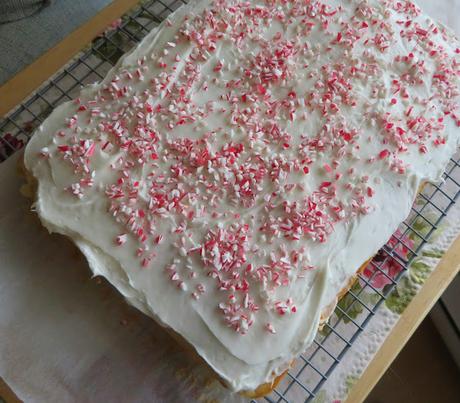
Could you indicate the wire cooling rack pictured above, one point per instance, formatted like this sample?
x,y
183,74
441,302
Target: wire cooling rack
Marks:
x,y
311,369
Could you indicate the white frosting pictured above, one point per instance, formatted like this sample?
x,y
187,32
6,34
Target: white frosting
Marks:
x,y
374,198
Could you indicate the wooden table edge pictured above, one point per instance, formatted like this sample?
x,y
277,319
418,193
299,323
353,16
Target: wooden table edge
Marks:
x,y
6,393
15,90
410,319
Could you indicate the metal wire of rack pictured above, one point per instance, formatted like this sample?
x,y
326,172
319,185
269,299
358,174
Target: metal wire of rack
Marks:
x,y
314,367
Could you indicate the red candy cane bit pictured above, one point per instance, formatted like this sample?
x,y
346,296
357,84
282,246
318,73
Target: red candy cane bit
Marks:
x,y
121,239
63,148
327,168
270,328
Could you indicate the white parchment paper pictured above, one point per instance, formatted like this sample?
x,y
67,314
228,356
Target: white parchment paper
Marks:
x,y
65,337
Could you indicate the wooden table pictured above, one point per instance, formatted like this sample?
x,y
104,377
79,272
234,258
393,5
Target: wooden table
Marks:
x,y
23,84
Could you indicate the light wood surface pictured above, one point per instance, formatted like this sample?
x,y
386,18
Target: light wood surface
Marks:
x,y
410,319
7,394
30,78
